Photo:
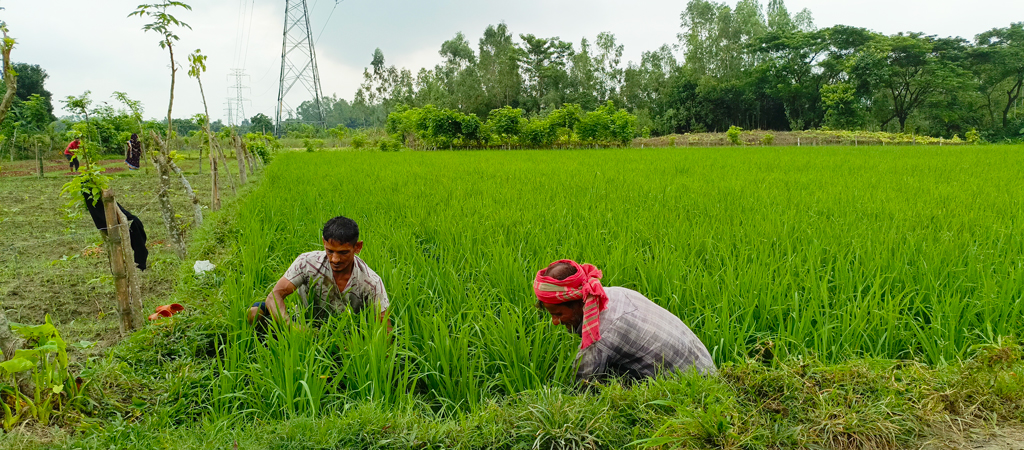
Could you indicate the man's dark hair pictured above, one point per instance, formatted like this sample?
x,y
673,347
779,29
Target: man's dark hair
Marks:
x,y
341,229
560,271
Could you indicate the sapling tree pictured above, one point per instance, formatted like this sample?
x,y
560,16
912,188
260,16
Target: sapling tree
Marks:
x,y
197,65
80,106
90,181
10,76
163,23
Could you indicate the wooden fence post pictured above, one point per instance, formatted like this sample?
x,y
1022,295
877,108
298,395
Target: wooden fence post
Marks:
x,y
134,285
39,159
116,236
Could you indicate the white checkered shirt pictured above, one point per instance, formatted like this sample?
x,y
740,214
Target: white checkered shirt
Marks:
x,y
640,339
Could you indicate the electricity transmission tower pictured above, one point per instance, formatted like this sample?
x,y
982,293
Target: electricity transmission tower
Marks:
x,y
230,112
239,98
298,60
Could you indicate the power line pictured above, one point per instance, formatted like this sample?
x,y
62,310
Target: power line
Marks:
x,y
336,3
248,34
239,26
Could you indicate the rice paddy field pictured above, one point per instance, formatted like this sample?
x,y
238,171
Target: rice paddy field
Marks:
x,y
831,254
852,298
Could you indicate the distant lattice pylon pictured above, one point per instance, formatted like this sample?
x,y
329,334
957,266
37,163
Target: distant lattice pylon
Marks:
x,y
298,61
239,98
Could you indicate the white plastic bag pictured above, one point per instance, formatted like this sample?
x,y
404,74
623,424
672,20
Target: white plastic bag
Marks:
x,y
202,267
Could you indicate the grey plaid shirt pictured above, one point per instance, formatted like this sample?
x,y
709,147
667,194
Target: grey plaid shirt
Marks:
x,y
640,339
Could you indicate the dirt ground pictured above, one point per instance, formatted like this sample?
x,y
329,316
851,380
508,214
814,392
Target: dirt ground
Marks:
x,y
1004,437
52,260
54,167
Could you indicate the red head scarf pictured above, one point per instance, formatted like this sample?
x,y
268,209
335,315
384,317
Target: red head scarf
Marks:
x,y
584,285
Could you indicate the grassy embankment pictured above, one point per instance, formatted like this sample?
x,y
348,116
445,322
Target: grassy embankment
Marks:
x,y
52,259
842,292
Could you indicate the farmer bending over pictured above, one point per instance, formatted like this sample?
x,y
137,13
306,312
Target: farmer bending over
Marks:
x,y
333,280
70,154
624,333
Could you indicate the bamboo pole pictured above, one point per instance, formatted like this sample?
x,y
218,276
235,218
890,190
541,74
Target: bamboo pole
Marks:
x,y
39,158
117,264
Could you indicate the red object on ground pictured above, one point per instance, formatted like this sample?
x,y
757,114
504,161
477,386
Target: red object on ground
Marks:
x,y
166,311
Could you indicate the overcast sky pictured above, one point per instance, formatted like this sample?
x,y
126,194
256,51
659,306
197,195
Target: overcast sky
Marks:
x,y
92,45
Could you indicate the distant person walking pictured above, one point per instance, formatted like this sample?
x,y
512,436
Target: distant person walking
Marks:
x,y
71,156
624,333
134,152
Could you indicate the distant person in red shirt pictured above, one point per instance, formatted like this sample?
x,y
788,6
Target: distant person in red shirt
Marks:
x,y
69,154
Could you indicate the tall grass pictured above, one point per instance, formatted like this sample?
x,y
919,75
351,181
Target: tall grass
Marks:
x,y
838,253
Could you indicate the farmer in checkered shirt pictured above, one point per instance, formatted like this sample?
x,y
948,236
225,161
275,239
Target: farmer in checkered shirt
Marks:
x,y
624,334
330,281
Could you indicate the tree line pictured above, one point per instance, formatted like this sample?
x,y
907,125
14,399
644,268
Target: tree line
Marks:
x,y
754,66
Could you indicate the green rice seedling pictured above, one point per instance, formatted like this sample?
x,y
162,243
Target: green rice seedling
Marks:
x,y
290,373
528,353
859,252
373,366
452,366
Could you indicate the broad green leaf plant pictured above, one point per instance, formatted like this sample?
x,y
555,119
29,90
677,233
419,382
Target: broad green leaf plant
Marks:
x,y
47,362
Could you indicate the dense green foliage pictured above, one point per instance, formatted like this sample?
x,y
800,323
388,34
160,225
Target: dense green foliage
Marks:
x,y
751,66
431,127
871,252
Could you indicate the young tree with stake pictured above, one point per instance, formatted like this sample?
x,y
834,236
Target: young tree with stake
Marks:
x,y
162,23
197,65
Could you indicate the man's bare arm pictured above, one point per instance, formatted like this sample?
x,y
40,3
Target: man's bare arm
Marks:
x,y
275,300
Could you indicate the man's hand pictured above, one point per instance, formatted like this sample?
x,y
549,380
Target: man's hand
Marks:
x,y
275,300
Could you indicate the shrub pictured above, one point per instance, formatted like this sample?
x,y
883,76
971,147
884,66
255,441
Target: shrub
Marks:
x,y
594,126
539,132
507,123
339,132
734,135
973,137
300,130
472,128
390,143
565,119
313,145
767,139
622,127
262,145
358,140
